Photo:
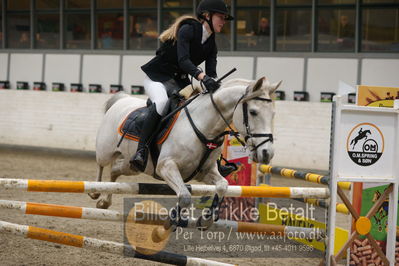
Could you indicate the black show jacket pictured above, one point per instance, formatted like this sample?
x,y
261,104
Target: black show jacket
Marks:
x,y
176,59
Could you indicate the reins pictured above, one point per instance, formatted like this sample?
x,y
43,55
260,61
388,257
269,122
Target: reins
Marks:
x,y
232,132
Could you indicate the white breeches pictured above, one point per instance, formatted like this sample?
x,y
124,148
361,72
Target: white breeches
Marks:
x,y
156,91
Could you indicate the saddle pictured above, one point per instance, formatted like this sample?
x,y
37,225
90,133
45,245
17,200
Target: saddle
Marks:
x,y
131,126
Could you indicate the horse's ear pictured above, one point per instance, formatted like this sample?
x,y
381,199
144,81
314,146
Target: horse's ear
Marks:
x,y
275,86
258,84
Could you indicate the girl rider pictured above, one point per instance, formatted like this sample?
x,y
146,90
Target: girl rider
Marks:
x,y
184,45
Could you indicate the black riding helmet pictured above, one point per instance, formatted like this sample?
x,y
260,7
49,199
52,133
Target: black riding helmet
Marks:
x,y
213,6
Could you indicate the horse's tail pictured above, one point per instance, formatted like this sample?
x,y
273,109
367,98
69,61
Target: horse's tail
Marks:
x,y
116,97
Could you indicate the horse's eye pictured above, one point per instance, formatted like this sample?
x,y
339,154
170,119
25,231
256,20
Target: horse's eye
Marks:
x,y
253,112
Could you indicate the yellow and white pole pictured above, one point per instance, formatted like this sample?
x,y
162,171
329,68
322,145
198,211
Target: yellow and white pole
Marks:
x,y
159,189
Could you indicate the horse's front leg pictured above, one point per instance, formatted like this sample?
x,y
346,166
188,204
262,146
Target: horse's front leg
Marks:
x,y
213,177
95,195
168,170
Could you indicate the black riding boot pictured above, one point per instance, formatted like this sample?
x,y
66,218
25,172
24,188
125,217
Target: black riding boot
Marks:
x,y
139,160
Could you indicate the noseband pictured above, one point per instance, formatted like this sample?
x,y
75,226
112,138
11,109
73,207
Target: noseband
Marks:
x,y
269,137
248,129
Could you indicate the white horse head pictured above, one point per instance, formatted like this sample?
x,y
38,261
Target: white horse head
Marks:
x,y
253,118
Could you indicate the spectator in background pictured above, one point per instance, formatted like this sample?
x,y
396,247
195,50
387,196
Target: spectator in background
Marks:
x,y
150,33
264,27
345,33
149,29
263,34
40,42
117,28
24,40
106,39
144,32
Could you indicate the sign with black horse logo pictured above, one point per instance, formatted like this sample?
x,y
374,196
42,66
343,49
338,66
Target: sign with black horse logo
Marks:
x,y
365,144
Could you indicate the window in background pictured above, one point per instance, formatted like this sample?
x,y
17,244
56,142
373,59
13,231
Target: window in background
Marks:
x,y
223,39
47,4
18,5
143,34
332,2
77,35
380,1
47,31
1,24
253,29
18,31
77,4
177,3
293,29
294,2
110,31
170,16
336,30
380,29
253,3
109,4
143,3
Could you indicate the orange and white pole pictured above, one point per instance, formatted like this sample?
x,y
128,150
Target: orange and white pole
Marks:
x,y
109,215
159,189
42,234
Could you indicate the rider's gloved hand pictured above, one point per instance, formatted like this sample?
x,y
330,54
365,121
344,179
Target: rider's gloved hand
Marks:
x,y
210,84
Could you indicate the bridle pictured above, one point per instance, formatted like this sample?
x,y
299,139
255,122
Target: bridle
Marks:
x,y
249,134
268,136
211,144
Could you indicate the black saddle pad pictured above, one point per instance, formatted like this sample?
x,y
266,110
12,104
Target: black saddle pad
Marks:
x,y
133,124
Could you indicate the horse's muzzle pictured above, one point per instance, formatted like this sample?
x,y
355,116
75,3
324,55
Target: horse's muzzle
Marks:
x,y
266,156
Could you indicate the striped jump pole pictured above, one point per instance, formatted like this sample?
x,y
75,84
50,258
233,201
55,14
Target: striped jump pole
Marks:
x,y
61,211
108,215
37,233
341,208
158,189
310,177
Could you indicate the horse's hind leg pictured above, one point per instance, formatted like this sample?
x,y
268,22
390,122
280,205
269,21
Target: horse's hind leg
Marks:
x,y
118,168
95,195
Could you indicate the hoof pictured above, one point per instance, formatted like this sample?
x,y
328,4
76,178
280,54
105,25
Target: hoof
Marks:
x,y
137,167
102,204
203,224
94,195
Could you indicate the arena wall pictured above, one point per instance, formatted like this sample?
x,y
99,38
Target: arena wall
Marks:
x,y
310,72
65,120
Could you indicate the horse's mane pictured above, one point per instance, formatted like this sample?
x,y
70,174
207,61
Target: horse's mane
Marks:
x,y
237,81
232,84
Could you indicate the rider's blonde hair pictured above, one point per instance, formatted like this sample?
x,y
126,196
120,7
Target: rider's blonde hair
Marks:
x,y
171,32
